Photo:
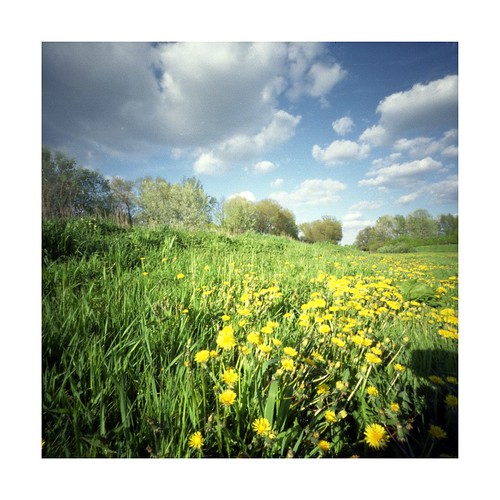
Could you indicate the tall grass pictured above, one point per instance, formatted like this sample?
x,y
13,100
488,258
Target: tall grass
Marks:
x,y
126,314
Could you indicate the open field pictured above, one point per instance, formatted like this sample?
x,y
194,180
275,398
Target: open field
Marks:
x,y
165,343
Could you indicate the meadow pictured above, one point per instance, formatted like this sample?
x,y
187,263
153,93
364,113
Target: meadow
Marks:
x,y
165,343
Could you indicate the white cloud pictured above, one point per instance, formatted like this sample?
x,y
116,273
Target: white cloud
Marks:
x,y
311,192
423,108
343,125
248,195
340,152
307,75
244,147
427,146
441,192
277,182
400,174
365,205
263,167
207,163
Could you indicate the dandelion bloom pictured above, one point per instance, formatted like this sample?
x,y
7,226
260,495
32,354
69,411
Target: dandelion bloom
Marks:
x,y
180,276
324,446
437,432
267,329
376,436
261,426
227,398
399,368
202,356
225,339
266,349
436,380
394,407
340,386
372,391
213,354
376,350
196,440
451,401
330,416
290,351
371,358
230,376
287,364
225,317
254,338
322,389
341,414
324,329
452,380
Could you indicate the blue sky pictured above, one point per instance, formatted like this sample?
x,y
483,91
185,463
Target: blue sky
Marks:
x,y
351,130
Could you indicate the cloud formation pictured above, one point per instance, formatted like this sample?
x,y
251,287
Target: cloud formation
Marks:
x,y
311,192
216,103
340,152
343,125
424,108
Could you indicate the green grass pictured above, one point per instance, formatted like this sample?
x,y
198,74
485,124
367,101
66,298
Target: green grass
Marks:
x,y
126,312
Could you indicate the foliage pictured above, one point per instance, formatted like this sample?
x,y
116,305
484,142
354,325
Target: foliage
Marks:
x,y
163,342
185,204
272,218
69,190
398,234
326,229
239,215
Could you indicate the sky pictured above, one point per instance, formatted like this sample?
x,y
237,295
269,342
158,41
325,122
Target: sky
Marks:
x,y
352,130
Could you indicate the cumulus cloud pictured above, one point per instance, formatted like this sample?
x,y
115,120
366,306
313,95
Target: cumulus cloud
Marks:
x,y
340,151
441,192
423,108
343,125
244,147
311,192
428,146
263,167
248,195
400,174
277,182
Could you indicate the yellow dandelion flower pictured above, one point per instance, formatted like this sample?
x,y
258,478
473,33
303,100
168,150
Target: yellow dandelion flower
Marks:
x,y
226,339
324,446
399,368
276,342
290,351
225,317
254,338
376,436
376,350
437,432
261,426
341,414
451,401
452,380
287,315
145,273
196,440
322,389
318,357
230,377
202,356
330,416
340,386
266,349
372,391
227,397
448,334
180,276
324,329
394,407
371,358
436,380
213,354
287,364
267,330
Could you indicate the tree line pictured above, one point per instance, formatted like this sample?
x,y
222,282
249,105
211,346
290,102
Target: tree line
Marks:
x,y
69,190
397,232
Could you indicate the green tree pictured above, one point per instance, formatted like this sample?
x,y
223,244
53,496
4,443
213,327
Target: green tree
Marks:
x,y
69,190
421,224
124,198
326,229
185,204
272,218
448,225
238,215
